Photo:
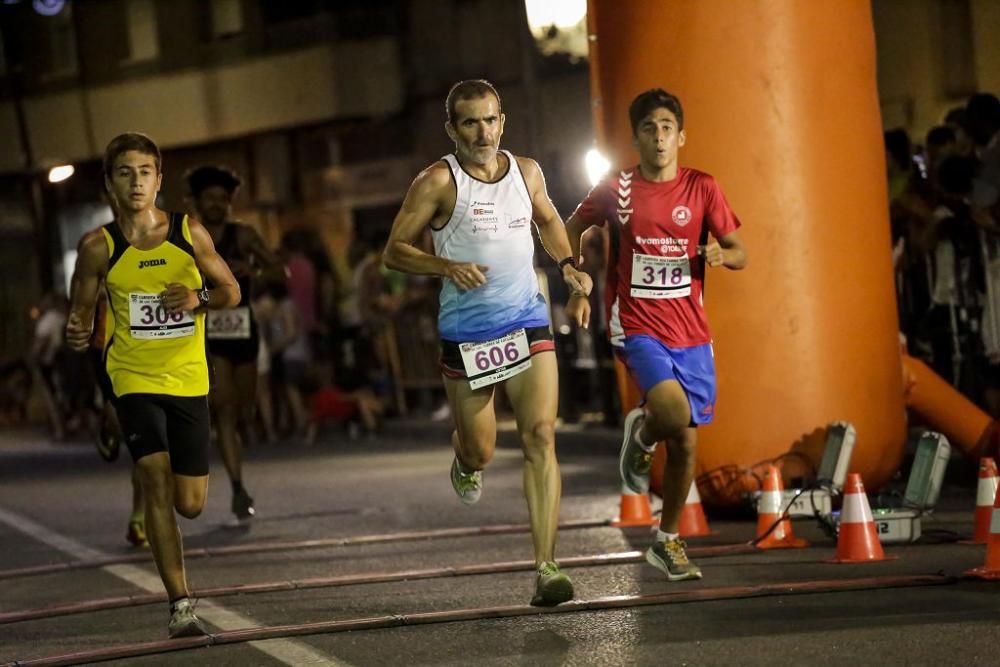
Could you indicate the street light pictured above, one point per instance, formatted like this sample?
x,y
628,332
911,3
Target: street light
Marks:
x,y
60,173
597,166
559,26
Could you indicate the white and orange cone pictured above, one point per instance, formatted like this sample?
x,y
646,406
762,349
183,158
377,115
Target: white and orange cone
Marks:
x,y
986,493
991,568
769,512
857,541
633,510
693,522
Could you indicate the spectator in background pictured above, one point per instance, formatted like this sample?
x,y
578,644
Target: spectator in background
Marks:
x,y
957,121
330,402
939,143
952,322
45,347
301,277
313,288
911,220
376,294
263,306
983,117
290,357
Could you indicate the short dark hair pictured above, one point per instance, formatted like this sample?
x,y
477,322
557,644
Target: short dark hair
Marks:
x,y
956,117
983,114
200,179
651,100
470,89
131,141
956,174
940,135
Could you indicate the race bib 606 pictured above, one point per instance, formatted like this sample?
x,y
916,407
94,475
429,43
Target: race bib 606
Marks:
x,y
496,360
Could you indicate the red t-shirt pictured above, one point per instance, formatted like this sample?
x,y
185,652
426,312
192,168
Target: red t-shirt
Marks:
x,y
655,276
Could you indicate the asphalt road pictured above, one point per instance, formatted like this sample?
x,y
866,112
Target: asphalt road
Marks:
x,y
59,503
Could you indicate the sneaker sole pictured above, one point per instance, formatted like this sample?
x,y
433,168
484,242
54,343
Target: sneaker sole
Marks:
x,y
192,629
654,560
557,593
630,420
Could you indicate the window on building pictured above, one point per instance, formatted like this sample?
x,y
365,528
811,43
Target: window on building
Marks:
x,y
140,22
62,43
227,18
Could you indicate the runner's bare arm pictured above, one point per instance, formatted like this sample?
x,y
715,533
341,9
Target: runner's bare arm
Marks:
x,y
91,266
425,201
729,252
578,307
551,230
575,229
225,294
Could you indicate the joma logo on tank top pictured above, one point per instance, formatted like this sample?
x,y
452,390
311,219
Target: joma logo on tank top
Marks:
x,y
145,263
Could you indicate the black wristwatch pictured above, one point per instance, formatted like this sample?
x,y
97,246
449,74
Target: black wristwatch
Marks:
x,y
571,260
203,297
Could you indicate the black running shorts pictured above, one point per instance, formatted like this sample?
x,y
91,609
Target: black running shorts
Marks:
x,y
237,351
178,425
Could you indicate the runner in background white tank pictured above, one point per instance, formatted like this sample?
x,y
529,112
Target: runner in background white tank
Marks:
x,y
490,225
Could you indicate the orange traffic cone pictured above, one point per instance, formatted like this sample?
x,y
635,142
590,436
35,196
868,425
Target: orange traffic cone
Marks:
x,y
857,542
769,513
634,510
991,568
693,522
986,493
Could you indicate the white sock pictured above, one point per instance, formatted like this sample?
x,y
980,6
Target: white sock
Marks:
x,y
641,443
663,537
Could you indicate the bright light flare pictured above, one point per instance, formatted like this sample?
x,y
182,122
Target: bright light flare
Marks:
x,y
562,14
60,173
597,166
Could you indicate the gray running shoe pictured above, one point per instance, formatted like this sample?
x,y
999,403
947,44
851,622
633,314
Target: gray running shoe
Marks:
x,y
243,505
552,587
634,462
468,485
669,557
183,622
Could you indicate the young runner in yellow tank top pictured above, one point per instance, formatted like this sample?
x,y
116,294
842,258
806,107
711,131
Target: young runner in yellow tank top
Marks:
x,y
152,262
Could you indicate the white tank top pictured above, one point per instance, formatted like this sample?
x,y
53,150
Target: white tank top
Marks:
x,y
490,225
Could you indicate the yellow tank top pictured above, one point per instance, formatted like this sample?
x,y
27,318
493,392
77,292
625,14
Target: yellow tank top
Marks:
x,y
147,350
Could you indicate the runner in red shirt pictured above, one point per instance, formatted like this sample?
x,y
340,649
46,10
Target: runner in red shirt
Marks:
x,y
659,217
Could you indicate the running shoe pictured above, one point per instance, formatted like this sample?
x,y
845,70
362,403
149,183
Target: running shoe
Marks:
x,y
552,586
183,622
136,534
468,485
670,558
634,462
243,505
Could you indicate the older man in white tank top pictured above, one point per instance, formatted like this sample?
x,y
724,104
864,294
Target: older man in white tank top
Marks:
x,y
494,324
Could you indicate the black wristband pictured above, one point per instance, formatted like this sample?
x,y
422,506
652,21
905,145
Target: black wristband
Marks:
x,y
571,260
